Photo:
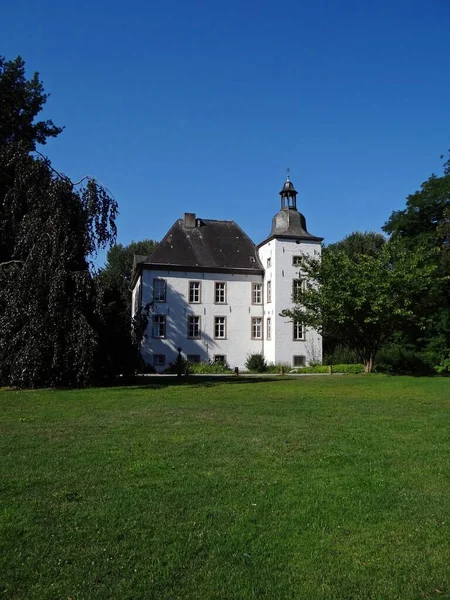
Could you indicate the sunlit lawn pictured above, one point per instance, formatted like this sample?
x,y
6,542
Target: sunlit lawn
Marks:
x,y
306,488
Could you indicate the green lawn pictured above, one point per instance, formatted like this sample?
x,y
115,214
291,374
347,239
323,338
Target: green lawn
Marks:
x,y
305,488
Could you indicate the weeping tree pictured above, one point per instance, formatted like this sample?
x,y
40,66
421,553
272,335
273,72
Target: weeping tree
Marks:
x,y
50,229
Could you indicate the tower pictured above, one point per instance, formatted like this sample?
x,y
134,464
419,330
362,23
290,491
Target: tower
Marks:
x,y
280,254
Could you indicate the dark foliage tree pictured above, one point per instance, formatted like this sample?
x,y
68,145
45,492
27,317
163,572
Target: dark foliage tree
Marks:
x,y
121,336
21,100
50,313
426,222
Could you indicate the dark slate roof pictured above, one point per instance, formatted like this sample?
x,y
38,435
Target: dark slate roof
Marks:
x,y
212,245
289,223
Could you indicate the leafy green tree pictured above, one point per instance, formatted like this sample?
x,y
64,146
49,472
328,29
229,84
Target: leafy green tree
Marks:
x,y
363,302
50,227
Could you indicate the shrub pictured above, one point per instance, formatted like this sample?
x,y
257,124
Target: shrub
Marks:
x,y
341,355
397,360
206,368
352,369
256,363
443,368
275,367
178,366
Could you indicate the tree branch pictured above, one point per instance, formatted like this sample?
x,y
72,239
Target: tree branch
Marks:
x,y
11,262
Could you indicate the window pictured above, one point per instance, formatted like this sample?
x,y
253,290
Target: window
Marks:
x,y
256,293
268,328
269,262
193,358
159,326
219,328
298,331
256,328
194,292
220,359
296,261
219,293
269,291
298,361
159,290
194,327
297,286
159,360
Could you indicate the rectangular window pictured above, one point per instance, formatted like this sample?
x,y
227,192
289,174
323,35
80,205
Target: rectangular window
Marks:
x,y
269,291
256,328
193,358
221,359
194,327
159,326
298,331
296,261
269,262
219,328
219,293
256,293
159,360
298,361
297,286
269,328
159,290
194,292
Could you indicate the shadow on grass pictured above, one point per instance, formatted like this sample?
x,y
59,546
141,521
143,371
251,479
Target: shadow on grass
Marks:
x,y
156,382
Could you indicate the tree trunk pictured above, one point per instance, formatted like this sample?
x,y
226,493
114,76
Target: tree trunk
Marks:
x,y
368,364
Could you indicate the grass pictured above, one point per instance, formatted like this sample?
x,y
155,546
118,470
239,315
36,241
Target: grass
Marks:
x,y
313,488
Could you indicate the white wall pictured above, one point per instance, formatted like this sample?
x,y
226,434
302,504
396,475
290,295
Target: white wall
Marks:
x,y
282,272
238,311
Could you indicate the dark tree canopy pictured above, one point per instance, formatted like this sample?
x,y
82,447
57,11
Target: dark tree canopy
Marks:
x,y
426,222
50,314
121,346
21,100
426,218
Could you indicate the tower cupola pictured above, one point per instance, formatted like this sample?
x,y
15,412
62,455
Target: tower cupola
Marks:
x,y
289,222
288,194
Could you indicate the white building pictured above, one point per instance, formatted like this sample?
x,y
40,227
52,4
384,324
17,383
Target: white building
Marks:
x,y
218,297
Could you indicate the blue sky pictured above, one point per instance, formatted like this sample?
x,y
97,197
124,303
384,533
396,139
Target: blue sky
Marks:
x,y
200,106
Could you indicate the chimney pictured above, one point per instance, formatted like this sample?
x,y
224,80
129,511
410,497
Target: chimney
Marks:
x,y
189,220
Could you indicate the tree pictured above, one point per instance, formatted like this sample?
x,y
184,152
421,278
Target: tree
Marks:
x,y
368,243
50,312
121,349
426,221
362,300
426,218
21,101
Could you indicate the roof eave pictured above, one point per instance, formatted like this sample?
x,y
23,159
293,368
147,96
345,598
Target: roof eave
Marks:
x,y
301,238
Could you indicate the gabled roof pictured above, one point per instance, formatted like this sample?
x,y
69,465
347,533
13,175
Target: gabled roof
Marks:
x,y
210,245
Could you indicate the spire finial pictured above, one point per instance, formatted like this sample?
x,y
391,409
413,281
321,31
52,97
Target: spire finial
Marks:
x,y
287,174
